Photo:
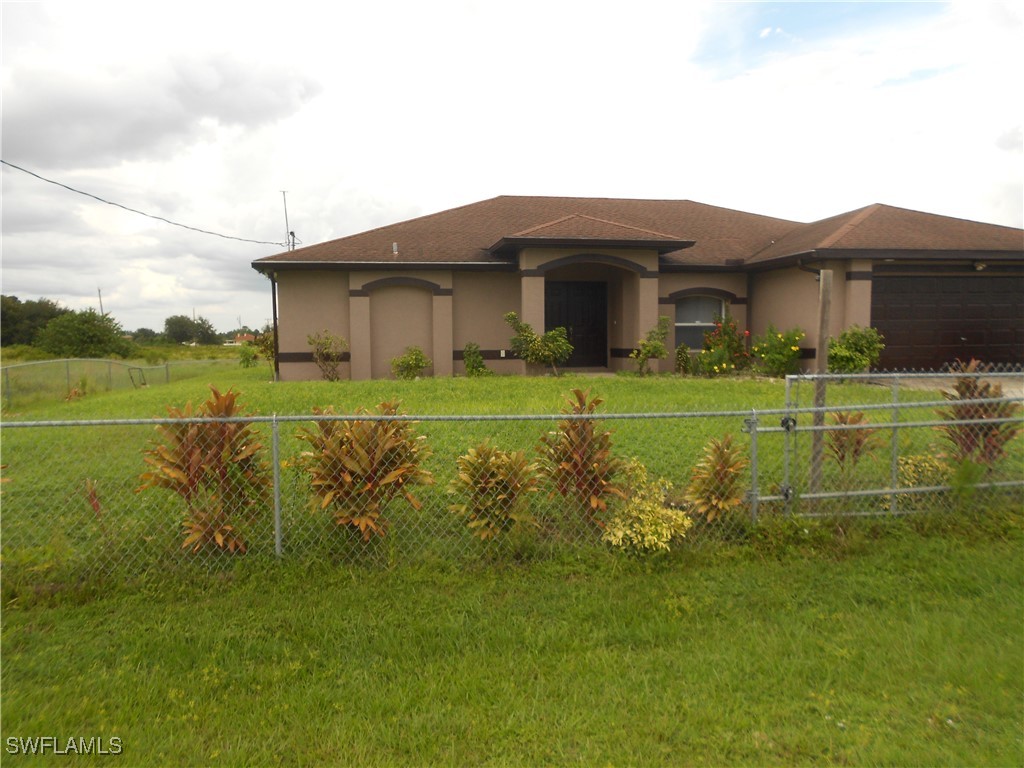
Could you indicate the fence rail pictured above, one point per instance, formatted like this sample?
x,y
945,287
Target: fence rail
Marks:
x,y
24,383
136,496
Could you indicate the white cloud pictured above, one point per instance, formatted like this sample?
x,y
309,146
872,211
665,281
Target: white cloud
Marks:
x,y
376,112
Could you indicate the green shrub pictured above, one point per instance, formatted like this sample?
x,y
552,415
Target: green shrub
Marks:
x,y
84,334
411,365
216,467
328,350
644,523
917,472
495,484
553,348
474,360
356,467
725,349
247,357
778,352
651,347
855,351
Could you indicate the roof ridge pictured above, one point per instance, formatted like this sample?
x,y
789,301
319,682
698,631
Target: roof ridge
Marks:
x,y
858,218
598,219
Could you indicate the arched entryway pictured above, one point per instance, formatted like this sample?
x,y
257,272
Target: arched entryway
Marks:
x,y
597,299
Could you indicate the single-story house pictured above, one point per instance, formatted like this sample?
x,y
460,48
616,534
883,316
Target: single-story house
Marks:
x,y
938,288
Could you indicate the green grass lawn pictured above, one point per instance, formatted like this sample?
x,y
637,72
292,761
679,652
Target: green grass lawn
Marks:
x,y
903,650
887,642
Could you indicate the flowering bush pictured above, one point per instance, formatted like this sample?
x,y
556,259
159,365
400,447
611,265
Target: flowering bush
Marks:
x,y
725,349
778,353
644,523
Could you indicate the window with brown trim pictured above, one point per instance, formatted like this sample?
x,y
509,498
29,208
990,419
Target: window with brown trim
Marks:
x,y
695,316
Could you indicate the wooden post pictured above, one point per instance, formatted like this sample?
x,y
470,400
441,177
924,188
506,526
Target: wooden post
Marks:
x,y
821,368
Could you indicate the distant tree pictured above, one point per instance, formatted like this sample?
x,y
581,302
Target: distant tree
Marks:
x,y
84,334
179,329
20,321
205,333
146,336
182,329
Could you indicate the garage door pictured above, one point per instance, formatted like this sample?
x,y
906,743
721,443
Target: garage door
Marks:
x,y
929,321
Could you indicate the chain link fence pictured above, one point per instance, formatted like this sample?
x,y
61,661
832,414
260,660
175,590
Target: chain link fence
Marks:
x,y
205,488
52,380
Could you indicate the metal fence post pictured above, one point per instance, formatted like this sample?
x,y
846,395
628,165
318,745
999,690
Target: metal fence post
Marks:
x,y
789,424
275,443
750,426
894,467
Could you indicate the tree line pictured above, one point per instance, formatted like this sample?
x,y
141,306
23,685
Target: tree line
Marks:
x,y
62,332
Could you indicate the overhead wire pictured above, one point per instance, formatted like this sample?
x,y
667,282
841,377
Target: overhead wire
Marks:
x,y
141,213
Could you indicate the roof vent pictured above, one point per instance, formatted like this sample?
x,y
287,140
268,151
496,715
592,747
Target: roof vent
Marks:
x,y
394,249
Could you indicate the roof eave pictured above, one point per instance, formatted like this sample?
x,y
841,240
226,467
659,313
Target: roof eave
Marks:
x,y
267,267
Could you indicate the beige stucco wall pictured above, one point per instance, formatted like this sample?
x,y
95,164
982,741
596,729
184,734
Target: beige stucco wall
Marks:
x,y
309,302
479,303
789,298
400,317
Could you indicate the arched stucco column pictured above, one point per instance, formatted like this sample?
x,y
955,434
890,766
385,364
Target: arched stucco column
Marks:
x,y
359,328
531,302
442,333
647,309
858,294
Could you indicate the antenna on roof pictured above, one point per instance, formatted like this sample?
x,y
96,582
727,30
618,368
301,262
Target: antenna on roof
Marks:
x,y
289,236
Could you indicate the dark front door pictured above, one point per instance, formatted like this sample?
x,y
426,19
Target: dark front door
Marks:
x,y
582,309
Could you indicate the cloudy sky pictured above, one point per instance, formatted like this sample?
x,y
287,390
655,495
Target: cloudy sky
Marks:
x,y
368,113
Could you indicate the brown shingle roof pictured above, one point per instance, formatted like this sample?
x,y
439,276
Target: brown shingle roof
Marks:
x,y
579,229
886,228
723,237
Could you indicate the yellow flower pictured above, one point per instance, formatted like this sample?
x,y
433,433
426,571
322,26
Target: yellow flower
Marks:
x,y
795,349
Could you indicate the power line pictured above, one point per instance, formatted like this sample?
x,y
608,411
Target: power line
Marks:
x,y
141,213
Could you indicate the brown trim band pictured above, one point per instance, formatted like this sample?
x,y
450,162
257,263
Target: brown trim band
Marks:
x,y
859,275
487,354
306,357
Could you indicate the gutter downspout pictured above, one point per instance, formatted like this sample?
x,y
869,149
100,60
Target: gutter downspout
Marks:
x,y
273,302
816,271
